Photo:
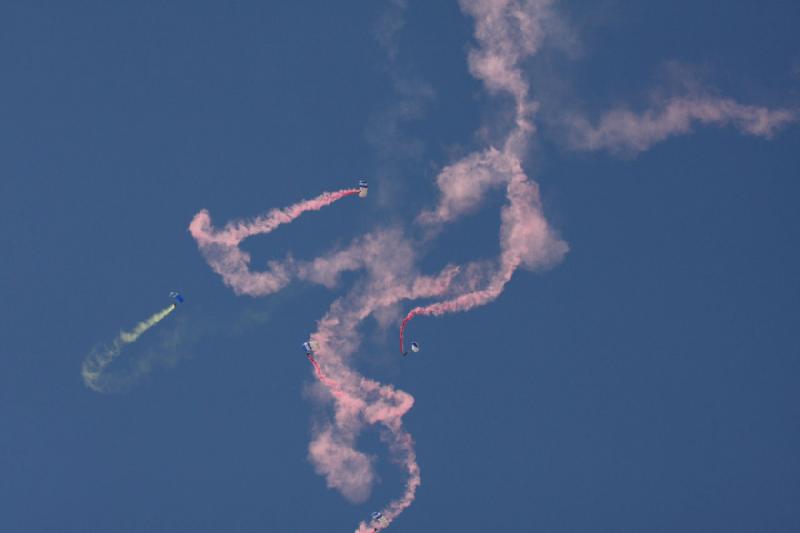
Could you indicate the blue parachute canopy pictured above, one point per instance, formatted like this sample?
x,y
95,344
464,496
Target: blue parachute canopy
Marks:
x,y
176,296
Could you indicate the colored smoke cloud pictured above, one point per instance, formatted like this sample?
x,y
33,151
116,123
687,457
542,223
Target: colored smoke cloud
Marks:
x,y
507,33
623,131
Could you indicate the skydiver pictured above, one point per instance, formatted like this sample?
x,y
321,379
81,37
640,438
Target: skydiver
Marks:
x,y
414,348
377,516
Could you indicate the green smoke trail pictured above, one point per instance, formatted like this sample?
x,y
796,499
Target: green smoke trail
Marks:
x,y
102,356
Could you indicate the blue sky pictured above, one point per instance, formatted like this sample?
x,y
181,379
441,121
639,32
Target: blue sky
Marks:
x,y
644,383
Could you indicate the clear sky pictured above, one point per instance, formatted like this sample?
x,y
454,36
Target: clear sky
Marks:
x,y
645,380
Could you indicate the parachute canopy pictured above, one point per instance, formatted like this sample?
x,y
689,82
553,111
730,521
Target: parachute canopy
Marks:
x,y
310,347
362,188
176,296
377,516
415,346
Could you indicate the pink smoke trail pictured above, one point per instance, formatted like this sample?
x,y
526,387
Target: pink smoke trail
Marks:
x,y
462,302
235,232
624,131
508,32
222,252
320,376
366,401
357,401
323,378
388,260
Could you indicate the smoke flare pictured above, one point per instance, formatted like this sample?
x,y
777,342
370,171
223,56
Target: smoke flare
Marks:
x,y
96,362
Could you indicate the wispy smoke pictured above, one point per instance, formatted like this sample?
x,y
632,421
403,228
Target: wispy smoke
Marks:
x,y
221,247
623,131
187,330
94,366
397,151
390,277
389,25
507,33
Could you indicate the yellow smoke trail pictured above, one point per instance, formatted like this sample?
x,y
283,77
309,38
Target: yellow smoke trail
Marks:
x,y
101,357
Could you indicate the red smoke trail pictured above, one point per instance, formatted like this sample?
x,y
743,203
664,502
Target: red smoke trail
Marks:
x,y
411,314
467,300
323,378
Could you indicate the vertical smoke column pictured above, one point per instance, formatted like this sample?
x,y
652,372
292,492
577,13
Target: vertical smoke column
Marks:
x,y
508,31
